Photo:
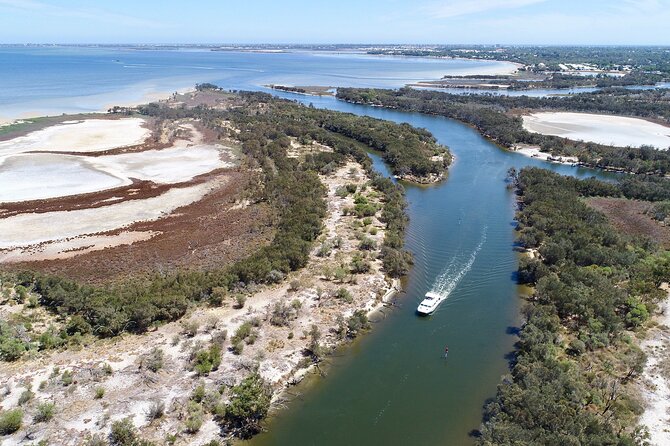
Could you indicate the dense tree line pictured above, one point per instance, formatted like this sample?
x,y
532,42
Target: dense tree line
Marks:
x,y
291,186
566,81
491,115
569,383
557,81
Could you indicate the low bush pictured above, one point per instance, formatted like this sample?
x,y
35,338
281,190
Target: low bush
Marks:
x,y
10,421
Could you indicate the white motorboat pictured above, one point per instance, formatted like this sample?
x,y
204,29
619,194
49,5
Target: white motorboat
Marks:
x,y
430,303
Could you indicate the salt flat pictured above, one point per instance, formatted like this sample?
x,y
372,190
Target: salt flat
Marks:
x,y
176,164
90,135
35,228
602,129
37,176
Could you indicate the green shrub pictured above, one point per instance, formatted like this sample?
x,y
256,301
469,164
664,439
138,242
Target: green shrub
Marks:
x,y
123,433
282,314
191,328
77,324
194,420
359,265
44,412
341,191
237,348
325,249
249,405
367,244
154,360
345,295
240,300
207,360
96,440
11,348
242,332
10,421
107,369
66,378
26,396
356,323
218,296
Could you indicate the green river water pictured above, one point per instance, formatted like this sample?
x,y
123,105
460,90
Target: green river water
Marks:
x,y
393,386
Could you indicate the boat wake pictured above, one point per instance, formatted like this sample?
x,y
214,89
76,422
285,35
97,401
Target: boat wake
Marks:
x,y
456,270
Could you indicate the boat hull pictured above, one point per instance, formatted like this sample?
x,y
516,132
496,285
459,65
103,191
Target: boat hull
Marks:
x,y
430,303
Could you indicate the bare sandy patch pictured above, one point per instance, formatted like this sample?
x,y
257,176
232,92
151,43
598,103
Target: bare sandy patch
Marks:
x,y
68,248
656,378
601,129
535,152
91,135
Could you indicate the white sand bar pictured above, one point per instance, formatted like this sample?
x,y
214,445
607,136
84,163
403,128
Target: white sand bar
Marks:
x,y
31,229
90,135
602,129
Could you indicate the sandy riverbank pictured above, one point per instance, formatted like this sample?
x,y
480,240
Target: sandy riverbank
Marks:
x,y
601,129
535,152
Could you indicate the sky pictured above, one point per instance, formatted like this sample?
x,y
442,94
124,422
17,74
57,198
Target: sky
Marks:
x,y
585,22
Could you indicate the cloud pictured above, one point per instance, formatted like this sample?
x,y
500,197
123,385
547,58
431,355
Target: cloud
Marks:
x,y
93,14
609,26
641,6
455,8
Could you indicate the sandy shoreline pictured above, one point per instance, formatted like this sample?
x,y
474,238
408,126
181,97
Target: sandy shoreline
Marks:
x,y
621,131
535,152
102,106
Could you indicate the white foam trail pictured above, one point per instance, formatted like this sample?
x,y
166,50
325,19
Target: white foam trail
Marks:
x,y
449,278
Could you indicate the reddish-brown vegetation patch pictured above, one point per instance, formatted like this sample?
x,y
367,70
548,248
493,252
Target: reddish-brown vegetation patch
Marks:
x,y
632,217
207,234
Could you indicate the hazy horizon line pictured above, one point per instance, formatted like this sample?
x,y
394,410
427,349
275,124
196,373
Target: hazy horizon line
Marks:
x,y
219,44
